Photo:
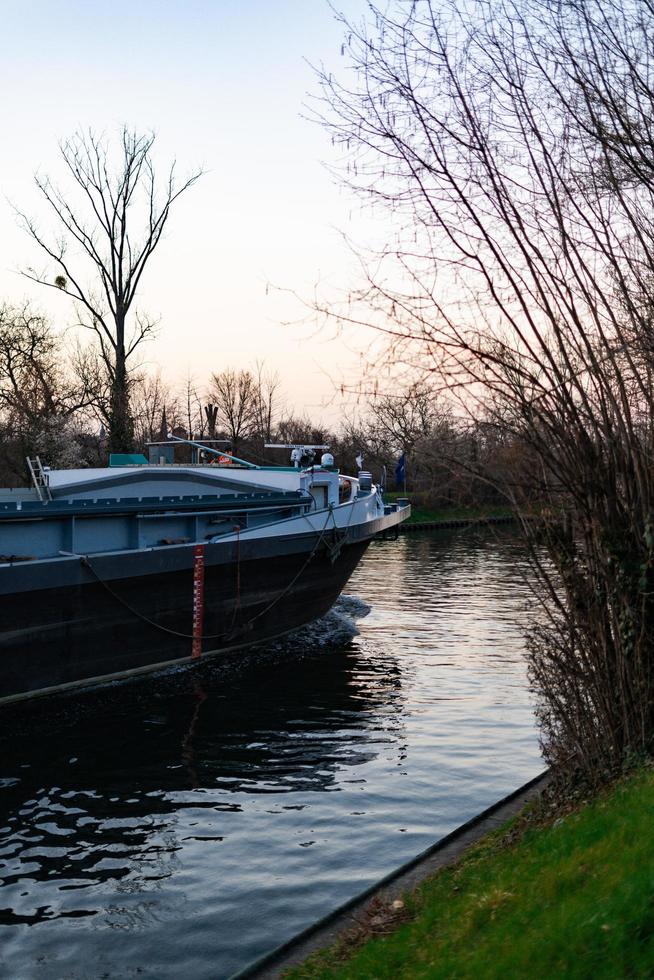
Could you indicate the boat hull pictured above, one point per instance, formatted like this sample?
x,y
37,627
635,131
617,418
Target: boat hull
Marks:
x,y
116,615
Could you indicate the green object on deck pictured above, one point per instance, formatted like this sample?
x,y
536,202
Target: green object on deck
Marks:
x,y
127,459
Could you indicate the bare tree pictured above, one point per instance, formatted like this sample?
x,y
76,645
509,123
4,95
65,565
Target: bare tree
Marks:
x,y
154,407
402,419
513,145
195,419
295,429
267,404
109,223
235,395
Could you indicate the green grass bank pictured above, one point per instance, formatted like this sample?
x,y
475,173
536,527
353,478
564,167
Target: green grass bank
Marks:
x,y
570,899
422,510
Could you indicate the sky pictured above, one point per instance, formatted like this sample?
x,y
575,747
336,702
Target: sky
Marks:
x,y
223,84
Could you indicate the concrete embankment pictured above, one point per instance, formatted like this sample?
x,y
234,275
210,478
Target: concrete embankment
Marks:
x,y
408,526
350,915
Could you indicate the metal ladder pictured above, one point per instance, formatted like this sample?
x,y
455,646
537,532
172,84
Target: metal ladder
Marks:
x,y
39,478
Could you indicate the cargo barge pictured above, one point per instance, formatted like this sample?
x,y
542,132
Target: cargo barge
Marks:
x,y
129,568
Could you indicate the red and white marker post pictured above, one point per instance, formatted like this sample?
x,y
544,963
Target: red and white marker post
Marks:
x,y
198,600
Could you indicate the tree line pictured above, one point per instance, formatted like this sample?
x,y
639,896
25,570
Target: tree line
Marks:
x,y
55,402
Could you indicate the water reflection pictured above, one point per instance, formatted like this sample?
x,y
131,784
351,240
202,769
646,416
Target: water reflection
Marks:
x,y
207,815
126,767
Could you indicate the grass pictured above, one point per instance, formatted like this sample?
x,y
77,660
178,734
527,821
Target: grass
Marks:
x,y
424,512
574,899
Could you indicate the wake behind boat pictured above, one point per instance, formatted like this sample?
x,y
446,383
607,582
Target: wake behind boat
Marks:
x,y
111,571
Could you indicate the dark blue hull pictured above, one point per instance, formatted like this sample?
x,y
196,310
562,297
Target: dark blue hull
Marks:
x,y
73,622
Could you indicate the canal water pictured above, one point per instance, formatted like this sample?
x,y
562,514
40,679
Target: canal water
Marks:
x,y
185,824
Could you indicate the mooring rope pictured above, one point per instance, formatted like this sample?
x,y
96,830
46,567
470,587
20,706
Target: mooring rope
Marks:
x,y
294,580
86,563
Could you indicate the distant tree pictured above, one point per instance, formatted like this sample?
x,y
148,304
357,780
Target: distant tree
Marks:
x,y
446,455
267,404
400,420
194,417
235,395
33,384
295,429
38,399
152,401
109,223
59,442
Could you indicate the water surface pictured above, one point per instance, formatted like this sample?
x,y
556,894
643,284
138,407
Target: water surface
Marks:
x,y
186,824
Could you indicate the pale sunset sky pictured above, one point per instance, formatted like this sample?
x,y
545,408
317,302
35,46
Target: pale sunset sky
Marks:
x,y
222,83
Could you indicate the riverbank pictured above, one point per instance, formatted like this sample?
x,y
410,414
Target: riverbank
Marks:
x,y
423,515
572,897
382,904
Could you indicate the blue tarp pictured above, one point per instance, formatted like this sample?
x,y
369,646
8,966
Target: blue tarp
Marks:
x,y
127,459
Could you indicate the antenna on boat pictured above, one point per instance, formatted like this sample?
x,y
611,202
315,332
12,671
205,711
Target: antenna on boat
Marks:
x,y
301,453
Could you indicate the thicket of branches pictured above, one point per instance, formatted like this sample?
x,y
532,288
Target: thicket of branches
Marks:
x,y
40,400
513,144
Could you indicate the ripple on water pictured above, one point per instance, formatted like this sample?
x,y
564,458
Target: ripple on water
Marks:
x,y
205,816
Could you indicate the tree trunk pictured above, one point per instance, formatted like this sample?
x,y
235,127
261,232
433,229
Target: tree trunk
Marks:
x,y
121,424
